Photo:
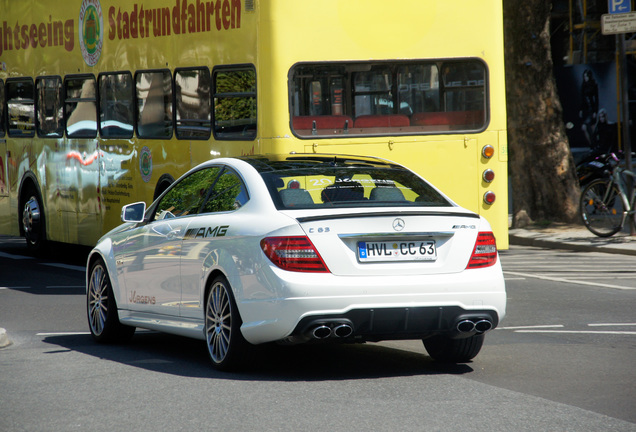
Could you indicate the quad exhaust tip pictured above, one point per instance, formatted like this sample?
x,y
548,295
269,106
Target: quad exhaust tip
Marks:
x,y
339,330
478,326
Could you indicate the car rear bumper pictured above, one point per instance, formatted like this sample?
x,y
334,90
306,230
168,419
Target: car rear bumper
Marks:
x,y
361,325
375,308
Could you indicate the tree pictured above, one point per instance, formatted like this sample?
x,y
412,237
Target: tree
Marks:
x,y
542,171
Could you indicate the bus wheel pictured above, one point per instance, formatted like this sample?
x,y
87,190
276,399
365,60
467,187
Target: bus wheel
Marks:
x,y
33,222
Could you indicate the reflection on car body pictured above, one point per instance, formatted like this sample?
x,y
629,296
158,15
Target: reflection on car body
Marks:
x,y
299,248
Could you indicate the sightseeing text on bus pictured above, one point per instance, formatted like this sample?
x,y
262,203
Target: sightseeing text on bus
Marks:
x,y
137,20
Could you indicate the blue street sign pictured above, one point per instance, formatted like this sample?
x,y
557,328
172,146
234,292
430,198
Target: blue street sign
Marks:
x,y
619,6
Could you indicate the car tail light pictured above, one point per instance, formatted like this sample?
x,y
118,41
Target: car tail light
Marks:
x,y
294,254
484,252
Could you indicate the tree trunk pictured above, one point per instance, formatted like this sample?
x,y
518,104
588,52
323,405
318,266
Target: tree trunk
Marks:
x,y
542,171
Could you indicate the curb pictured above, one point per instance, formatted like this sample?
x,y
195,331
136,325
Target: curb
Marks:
x,y
553,244
4,339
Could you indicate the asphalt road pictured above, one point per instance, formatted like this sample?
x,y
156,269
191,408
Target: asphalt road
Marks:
x,y
562,360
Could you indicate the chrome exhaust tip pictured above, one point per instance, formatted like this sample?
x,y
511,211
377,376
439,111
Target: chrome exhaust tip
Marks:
x,y
343,330
465,326
483,326
321,332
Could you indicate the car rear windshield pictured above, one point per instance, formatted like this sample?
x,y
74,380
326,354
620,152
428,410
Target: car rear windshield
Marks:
x,y
320,185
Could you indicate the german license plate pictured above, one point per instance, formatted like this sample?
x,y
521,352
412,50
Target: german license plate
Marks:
x,y
419,250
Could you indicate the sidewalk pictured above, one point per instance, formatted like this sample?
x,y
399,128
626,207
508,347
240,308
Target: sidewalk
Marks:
x,y
572,237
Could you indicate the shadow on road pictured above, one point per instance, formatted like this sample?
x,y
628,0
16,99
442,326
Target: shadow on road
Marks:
x,y
188,357
56,252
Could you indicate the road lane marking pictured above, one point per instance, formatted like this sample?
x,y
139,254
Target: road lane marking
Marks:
x,y
46,287
611,324
532,327
15,257
579,332
63,334
570,281
66,266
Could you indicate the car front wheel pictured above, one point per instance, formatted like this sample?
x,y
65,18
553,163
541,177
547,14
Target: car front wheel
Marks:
x,y
225,343
103,318
447,350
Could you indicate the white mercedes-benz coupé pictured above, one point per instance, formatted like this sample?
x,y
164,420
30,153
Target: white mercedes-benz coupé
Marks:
x,y
299,248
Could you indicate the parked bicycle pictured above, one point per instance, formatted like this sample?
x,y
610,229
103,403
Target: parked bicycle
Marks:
x,y
605,204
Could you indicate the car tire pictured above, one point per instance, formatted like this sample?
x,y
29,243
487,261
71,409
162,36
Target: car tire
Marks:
x,y
447,350
226,345
101,307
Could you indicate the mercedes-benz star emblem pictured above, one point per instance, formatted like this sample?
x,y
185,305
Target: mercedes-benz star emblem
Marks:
x,y
398,224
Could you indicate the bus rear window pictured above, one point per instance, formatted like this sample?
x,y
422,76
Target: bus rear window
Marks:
x,y
388,98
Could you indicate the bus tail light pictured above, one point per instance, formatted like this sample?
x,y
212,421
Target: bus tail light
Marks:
x,y
489,197
488,151
294,253
484,252
488,175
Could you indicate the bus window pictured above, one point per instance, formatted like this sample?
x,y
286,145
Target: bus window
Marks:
x,y
463,86
418,87
336,88
20,107
192,103
154,104
80,107
373,92
388,98
315,90
235,103
1,110
116,114
50,115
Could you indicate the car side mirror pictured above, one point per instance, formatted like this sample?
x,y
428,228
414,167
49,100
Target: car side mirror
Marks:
x,y
133,212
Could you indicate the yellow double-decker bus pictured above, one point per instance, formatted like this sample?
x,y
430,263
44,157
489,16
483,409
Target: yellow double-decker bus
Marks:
x,y
106,102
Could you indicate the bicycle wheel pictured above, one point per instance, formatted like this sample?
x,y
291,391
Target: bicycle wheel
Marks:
x,y
602,209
